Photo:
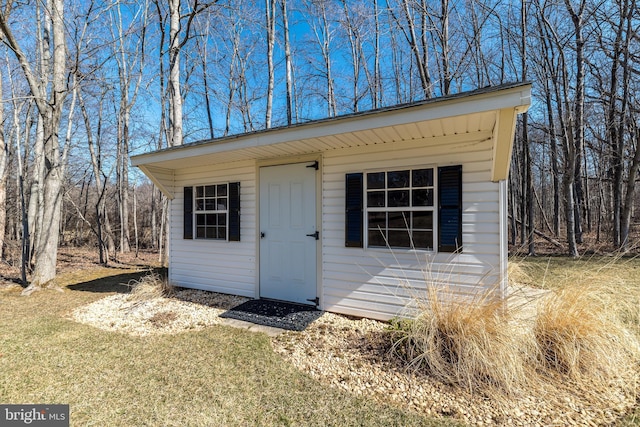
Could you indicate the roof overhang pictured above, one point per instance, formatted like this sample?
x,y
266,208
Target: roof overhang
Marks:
x,y
485,113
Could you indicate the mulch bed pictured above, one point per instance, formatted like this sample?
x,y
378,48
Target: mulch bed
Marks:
x,y
277,314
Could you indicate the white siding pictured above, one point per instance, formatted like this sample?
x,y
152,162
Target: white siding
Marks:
x,y
379,283
213,265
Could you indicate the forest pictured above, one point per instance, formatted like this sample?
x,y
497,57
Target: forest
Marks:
x,y
85,84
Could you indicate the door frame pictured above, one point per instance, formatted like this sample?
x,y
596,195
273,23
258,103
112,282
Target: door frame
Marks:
x,y
282,161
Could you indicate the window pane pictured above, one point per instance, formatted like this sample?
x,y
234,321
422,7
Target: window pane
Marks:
x,y
199,191
422,178
211,219
222,219
399,220
222,190
423,220
210,191
398,179
398,198
423,197
210,204
200,220
200,205
376,238
222,204
375,199
222,233
200,232
211,232
399,239
375,180
377,220
423,239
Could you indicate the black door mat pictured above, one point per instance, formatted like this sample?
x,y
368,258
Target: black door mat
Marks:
x,y
278,314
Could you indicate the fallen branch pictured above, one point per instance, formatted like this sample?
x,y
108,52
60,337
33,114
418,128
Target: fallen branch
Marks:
x,y
544,236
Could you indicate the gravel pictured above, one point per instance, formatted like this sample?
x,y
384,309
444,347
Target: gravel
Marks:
x,y
187,310
352,355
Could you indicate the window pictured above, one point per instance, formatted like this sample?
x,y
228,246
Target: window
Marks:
x,y
405,208
399,208
211,204
212,212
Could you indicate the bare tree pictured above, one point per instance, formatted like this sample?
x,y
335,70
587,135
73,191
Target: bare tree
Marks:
x,y
129,58
323,34
4,157
528,181
102,230
577,17
175,96
288,63
564,114
419,45
270,21
50,105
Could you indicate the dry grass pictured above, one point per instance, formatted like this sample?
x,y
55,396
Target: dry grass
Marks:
x,y
466,343
150,287
583,333
580,335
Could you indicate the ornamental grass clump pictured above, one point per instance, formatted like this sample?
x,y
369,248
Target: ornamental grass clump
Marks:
x,y
466,342
580,334
149,287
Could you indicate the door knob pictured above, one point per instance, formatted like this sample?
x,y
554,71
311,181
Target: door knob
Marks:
x,y
262,235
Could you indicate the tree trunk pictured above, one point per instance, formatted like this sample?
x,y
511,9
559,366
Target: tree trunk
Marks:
x,y
421,63
554,165
4,154
270,20
175,95
446,67
50,104
287,60
377,98
529,193
578,130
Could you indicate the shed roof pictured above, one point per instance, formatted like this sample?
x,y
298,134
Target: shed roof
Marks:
x,y
488,112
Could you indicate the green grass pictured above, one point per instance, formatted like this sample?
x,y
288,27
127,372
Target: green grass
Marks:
x,y
217,376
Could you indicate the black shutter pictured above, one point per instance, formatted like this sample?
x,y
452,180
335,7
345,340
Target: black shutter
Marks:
x,y
188,213
234,211
450,209
353,217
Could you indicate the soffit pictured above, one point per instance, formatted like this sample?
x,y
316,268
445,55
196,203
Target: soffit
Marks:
x,y
249,148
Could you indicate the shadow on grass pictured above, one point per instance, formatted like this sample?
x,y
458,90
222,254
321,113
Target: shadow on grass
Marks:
x,y
120,283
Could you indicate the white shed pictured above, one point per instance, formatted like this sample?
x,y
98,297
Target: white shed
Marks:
x,y
354,214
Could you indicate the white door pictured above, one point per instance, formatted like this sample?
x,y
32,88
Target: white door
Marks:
x,y
288,239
